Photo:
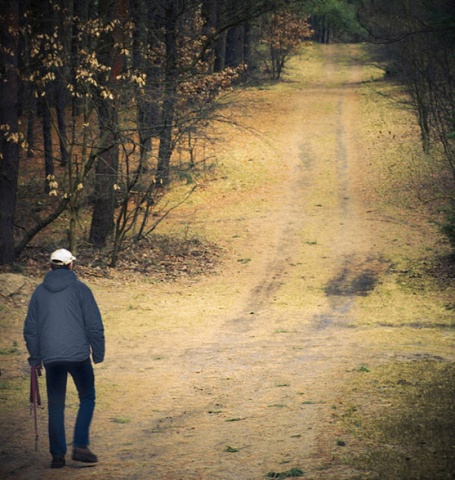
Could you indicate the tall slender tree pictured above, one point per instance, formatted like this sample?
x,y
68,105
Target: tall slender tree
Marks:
x,y
172,15
102,225
9,131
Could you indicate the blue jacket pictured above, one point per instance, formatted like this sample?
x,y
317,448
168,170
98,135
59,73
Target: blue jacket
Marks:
x,y
63,321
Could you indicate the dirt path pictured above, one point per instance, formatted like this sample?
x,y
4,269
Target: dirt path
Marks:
x,y
238,374
259,378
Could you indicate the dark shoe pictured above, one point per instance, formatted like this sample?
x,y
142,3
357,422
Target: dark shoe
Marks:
x,y
83,454
58,462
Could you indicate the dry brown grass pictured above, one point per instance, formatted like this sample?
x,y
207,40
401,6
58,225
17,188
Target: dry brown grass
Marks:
x,y
399,419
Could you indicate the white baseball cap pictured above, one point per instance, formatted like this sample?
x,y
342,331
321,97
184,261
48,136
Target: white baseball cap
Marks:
x,y
62,257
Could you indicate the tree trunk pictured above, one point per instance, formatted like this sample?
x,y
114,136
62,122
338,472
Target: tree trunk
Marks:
x,y
220,52
9,147
60,93
169,94
165,148
235,43
147,110
210,15
60,105
102,225
46,103
246,47
47,140
31,125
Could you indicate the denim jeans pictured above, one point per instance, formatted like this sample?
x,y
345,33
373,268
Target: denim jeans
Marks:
x,y
56,380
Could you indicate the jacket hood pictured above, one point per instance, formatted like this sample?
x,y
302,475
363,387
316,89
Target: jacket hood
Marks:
x,y
58,280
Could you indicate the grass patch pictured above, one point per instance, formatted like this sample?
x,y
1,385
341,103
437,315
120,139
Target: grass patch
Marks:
x,y
14,393
293,472
231,449
244,260
281,330
404,420
13,350
121,420
363,368
10,386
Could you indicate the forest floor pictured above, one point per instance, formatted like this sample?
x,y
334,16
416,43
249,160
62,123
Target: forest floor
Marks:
x,y
311,331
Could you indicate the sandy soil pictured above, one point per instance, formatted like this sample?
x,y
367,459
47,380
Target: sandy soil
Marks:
x,y
236,374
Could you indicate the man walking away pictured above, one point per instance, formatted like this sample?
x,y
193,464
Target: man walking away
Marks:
x,y
62,328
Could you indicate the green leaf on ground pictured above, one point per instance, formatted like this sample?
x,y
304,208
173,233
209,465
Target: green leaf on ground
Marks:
x,y
293,472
